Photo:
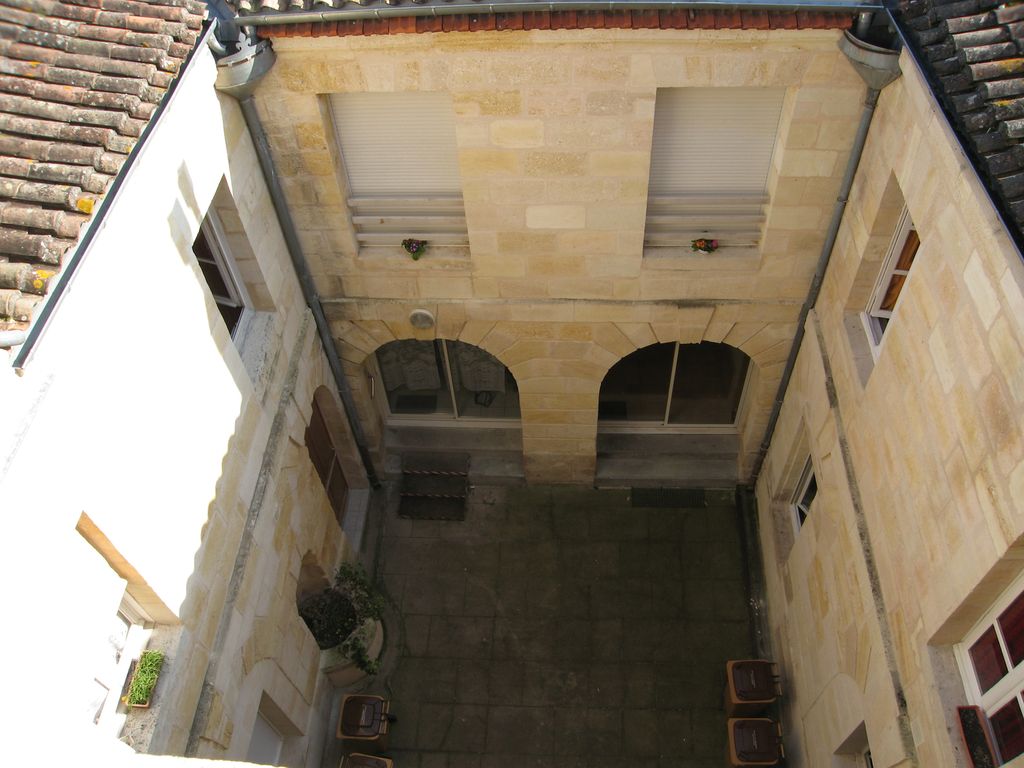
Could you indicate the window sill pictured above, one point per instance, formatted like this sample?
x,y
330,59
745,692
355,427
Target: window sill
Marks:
x,y
394,256
684,259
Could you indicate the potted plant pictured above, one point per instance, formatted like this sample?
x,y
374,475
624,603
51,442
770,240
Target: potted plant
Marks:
x,y
345,620
703,245
414,247
144,677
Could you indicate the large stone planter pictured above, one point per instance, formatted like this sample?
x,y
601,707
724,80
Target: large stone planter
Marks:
x,y
341,670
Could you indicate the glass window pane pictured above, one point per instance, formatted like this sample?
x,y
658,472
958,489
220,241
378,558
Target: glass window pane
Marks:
x,y
1008,726
636,387
231,313
214,279
1011,622
708,385
988,661
909,251
414,378
484,387
892,292
809,493
201,247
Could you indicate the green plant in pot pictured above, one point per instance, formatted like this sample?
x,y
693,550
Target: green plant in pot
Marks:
x,y
147,671
346,615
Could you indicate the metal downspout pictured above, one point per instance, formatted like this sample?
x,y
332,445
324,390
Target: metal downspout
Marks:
x,y
259,137
878,67
241,72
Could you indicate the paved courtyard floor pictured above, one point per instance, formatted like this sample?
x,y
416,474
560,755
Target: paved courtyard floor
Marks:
x,y
564,628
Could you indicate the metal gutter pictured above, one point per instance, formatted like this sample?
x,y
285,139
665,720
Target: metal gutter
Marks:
x,y
66,275
309,292
540,6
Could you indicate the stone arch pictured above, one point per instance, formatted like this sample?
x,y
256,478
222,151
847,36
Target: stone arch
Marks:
x,y
560,355
763,333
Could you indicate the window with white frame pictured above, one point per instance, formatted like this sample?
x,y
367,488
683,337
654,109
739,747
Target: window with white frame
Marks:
x,y
401,161
991,660
710,158
902,251
215,263
806,491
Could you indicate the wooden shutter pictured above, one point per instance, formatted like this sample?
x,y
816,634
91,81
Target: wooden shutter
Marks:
x,y
318,443
711,154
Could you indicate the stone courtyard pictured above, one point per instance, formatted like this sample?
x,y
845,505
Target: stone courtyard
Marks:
x,y
564,627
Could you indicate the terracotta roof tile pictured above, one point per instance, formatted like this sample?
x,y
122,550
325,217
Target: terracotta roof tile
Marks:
x,y
79,79
972,52
705,18
17,307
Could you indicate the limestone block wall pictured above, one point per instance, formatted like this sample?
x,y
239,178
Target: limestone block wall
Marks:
x,y
919,463
554,132
168,433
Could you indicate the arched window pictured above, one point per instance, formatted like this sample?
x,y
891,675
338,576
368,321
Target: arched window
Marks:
x,y
448,379
675,384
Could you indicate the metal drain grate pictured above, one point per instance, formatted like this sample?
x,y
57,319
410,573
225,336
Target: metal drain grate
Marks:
x,y
668,498
434,486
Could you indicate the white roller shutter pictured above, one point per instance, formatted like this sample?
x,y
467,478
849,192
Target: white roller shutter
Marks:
x,y
398,144
712,150
714,140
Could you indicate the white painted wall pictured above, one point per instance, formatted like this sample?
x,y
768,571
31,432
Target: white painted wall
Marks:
x,y
125,412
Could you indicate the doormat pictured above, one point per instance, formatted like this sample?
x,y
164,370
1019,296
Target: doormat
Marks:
x,y
434,486
668,498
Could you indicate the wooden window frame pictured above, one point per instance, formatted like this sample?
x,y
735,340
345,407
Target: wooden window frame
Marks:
x,y
875,318
1011,684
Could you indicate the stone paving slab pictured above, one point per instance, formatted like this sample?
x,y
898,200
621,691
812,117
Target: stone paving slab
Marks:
x,y
564,628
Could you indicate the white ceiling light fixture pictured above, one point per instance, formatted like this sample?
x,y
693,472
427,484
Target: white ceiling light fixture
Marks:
x,y
421,319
